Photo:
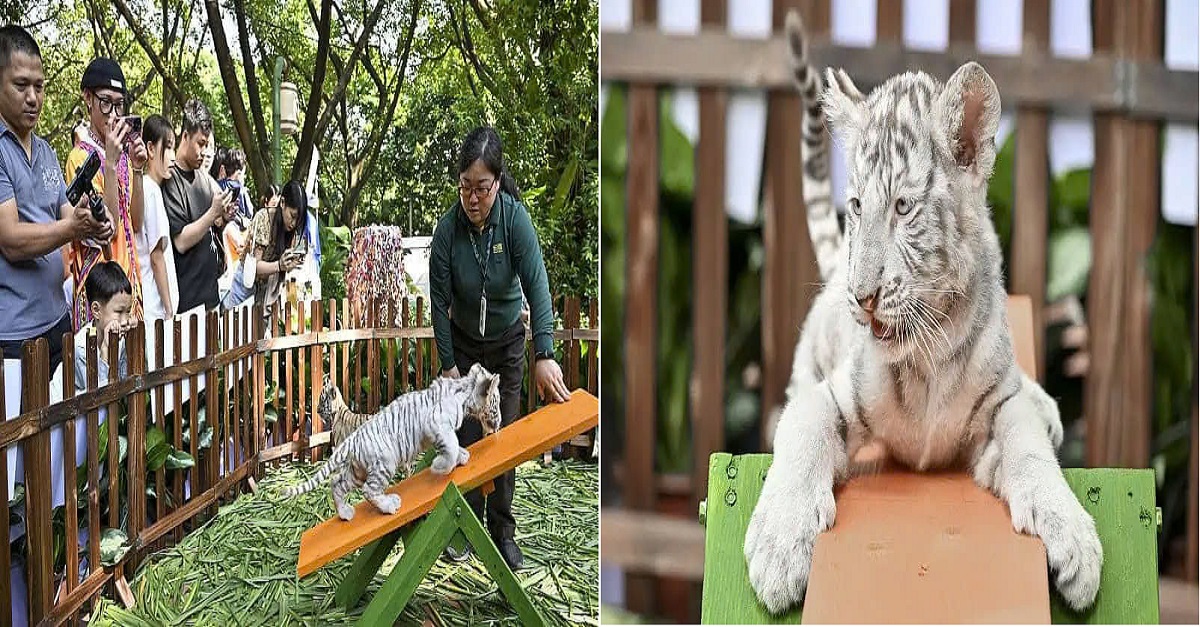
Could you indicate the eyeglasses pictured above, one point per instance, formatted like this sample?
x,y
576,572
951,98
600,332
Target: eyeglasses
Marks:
x,y
106,105
466,191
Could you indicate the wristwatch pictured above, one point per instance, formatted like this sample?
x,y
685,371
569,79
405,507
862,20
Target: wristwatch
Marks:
x,y
540,355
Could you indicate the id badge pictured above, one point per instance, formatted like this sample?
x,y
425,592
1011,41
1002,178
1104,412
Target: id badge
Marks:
x,y
482,315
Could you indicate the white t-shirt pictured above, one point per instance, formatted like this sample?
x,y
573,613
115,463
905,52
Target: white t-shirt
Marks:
x,y
155,233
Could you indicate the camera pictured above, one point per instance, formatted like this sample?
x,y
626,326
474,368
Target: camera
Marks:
x,y
83,185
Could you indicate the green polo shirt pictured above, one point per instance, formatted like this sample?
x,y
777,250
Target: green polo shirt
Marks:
x,y
455,276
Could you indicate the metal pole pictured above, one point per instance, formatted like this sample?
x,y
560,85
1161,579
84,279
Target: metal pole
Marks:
x,y
278,78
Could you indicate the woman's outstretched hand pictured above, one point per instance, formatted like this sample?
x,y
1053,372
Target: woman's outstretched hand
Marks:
x,y
549,379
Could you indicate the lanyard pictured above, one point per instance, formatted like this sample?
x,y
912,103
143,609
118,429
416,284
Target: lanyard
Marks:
x,y
483,262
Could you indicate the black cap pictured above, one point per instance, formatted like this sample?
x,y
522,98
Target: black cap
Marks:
x,y
103,73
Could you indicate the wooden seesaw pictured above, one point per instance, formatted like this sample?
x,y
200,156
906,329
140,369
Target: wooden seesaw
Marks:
x,y
934,547
449,520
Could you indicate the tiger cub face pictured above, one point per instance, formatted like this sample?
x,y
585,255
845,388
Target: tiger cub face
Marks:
x,y
483,404
330,397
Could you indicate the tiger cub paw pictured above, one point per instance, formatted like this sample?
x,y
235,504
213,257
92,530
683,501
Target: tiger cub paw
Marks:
x,y
345,512
463,456
386,503
442,464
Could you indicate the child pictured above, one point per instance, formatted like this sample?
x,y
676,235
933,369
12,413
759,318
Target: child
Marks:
x,y
110,300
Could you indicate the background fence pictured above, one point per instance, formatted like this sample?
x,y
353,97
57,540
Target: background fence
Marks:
x,y
1124,84
240,391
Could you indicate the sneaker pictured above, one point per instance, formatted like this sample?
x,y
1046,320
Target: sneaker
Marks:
x,y
510,553
455,555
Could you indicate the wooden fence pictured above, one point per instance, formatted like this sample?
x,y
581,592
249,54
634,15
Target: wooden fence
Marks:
x,y
259,399
1124,83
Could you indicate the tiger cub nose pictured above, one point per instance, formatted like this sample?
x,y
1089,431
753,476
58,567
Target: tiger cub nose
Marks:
x,y
868,302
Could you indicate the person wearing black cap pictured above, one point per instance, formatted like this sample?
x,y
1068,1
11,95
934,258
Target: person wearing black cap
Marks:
x,y
123,158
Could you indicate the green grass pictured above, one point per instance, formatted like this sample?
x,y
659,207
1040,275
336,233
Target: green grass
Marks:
x,y
240,567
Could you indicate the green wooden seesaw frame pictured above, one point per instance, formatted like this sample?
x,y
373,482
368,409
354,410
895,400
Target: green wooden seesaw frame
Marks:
x,y
447,518
1122,502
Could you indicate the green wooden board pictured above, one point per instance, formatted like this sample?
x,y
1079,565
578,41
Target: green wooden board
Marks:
x,y
1121,501
734,484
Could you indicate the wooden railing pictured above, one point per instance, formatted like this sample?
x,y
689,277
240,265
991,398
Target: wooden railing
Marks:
x,y
1125,84
256,390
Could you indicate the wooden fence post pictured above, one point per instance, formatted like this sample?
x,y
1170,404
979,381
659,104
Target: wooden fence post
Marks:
x,y
641,336
1124,212
1030,210
39,530
710,274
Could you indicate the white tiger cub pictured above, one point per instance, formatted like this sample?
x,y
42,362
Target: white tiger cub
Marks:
x,y
908,343
398,433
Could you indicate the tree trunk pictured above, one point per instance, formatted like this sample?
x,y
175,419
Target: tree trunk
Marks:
x,y
233,92
313,108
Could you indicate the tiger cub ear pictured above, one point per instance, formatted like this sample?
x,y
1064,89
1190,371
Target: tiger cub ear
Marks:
x,y
482,386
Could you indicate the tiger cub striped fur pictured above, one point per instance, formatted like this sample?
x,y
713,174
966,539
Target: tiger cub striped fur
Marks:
x,y
908,342
397,434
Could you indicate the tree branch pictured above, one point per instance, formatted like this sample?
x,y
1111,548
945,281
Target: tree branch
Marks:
x,y
233,94
148,47
304,149
339,92
251,71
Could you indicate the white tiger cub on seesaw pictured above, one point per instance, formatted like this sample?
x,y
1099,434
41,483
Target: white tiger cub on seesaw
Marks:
x,y
397,434
908,343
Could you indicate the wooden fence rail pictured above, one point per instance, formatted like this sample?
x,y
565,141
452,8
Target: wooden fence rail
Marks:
x,y
1126,86
249,399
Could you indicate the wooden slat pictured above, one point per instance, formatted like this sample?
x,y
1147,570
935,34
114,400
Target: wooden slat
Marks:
x,y
177,418
713,58
93,453
358,350
962,23
193,411
653,544
573,346
418,343
212,458
790,276
317,367
5,555
373,357
135,348
289,371
70,494
391,353
404,347
1124,213
889,24
70,604
1030,211
301,371
641,313
490,457
161,489
594,348
112,420
35,378
278,434
347,323
710,274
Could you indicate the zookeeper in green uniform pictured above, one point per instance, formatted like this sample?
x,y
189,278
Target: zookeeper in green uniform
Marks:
x,y
484,252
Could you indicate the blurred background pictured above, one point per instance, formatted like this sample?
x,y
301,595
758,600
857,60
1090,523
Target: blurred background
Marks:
x,y
708,270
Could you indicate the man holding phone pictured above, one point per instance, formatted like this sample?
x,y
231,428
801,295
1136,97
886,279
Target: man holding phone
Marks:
x,y
195,206
115,136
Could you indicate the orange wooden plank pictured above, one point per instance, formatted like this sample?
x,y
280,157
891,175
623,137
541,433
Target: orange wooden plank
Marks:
x,y
909,539
490,457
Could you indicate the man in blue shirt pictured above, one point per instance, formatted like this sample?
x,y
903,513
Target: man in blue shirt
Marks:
x,y
36,220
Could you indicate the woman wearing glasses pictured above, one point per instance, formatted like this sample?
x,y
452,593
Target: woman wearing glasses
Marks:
x,y
485,253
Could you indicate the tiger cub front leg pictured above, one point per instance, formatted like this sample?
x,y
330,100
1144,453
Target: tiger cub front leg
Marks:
x,y
796,502
448,453
344,482
378,477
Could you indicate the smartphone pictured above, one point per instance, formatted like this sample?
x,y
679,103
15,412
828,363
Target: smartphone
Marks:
x,y
135,129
